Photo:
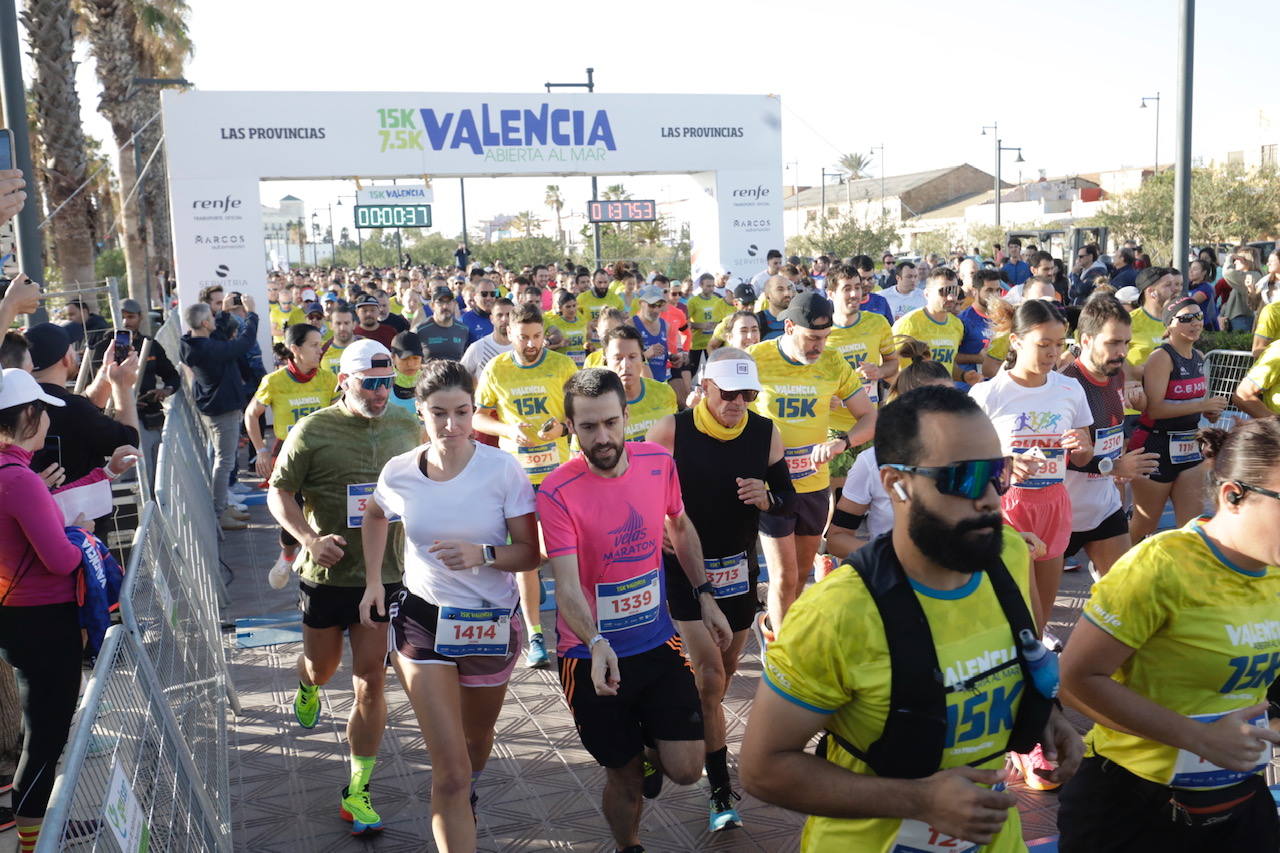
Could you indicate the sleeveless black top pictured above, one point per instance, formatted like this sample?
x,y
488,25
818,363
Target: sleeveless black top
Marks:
x,y
708,469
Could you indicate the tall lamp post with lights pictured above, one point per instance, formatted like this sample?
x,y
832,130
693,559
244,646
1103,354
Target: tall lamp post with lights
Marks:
x,y
1000,149
1143,106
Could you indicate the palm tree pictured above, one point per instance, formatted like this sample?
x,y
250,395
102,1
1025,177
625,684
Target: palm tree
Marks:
x,y
615,192
131,39
526,222
554,201
61,163
856,165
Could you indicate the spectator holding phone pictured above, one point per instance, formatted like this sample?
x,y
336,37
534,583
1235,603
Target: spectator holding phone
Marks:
x,y
39,618
80,435
213,354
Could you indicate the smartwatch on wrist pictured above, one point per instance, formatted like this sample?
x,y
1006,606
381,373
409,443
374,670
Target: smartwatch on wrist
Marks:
x,y
598,638
707,587
490,555
1106,465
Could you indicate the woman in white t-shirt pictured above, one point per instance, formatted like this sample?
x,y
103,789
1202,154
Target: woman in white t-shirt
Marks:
x,y
1043,420
455,624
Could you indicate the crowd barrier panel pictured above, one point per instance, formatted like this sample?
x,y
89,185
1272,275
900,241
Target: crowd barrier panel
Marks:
x,y
128,781
182,641
1223,370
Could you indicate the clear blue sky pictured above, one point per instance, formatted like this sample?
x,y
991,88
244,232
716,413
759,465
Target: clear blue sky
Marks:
x,y
922,76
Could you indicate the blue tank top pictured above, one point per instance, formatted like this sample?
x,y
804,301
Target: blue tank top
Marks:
x,y
657,366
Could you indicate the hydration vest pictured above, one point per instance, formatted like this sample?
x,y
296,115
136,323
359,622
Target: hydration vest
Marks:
x,y
915,729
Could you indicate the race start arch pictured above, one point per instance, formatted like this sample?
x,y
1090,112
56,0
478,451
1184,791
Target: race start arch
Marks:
x,y
219,145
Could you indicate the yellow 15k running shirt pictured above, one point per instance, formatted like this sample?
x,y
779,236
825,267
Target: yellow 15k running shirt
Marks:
x,y
575,335
869,339
290,400
832,657
797,397
1206,641
1148,334
656,401
943,338
280,319
706,310
332,358
532,394
1265,376
592,305
1268,322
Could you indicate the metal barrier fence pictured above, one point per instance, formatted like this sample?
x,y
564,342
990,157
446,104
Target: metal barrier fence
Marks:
x,y
1223,370
146,768
128,782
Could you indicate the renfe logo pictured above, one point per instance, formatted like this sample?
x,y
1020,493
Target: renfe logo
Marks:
x,y
516,128
227,203
756,192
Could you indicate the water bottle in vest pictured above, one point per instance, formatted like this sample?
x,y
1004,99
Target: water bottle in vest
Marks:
x,y
1042,663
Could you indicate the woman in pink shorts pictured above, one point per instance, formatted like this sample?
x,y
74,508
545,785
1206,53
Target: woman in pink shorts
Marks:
x,y
1043,420
455,627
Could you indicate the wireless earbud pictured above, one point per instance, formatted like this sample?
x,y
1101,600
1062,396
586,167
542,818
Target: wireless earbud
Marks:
x,y
899,491
1234,498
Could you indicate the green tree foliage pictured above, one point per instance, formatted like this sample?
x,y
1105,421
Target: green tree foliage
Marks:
x,y
855,164
941,241
845,237
109,264
1228,205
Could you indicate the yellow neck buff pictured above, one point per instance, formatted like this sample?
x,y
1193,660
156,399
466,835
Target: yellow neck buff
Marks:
x,y
707,423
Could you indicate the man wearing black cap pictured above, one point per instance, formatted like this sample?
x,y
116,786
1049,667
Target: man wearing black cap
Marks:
x,y
406,357
367,311
442,335
80,436
799,377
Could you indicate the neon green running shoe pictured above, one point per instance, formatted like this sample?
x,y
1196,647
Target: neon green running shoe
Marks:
x,y
356,810
306,706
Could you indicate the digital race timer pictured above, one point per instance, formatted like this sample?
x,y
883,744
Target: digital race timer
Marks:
x,y
627,210
393,216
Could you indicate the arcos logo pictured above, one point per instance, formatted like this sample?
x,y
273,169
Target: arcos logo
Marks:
x,y
757,192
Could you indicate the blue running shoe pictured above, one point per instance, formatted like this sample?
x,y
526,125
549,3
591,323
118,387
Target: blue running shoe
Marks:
x,y
722,813
536,657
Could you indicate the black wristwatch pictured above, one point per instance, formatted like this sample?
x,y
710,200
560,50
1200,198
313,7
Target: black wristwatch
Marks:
x,y
706,587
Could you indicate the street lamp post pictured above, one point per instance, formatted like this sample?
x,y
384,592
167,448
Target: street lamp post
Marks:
x,y
1143,106
825,174
359,240
880,148
1182,159
315,239
590,86
995,131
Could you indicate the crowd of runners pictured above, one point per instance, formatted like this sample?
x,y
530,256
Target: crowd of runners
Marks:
x,y
929,441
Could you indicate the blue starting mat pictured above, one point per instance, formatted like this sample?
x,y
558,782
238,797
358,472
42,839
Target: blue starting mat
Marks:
x,y
270,630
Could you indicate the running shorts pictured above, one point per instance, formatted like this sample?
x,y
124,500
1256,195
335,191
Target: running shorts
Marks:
x,y
413,635
657,700
807,516
1113,525
326,606
1156,441
1046,513
738,609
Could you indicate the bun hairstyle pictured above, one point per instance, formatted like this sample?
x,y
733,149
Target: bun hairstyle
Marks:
x,y
922,370
1244,454
295,335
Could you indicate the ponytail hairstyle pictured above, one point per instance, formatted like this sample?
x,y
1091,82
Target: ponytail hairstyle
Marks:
x,y
1245,455
295,335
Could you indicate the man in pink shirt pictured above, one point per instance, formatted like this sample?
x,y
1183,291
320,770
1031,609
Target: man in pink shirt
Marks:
x,y
632,694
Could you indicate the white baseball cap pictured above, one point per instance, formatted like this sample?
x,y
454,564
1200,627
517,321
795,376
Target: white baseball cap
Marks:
x,y
18,388
361,355
733,374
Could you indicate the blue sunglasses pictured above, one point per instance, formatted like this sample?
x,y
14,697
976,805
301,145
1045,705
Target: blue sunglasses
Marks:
x,y
968,479
373,383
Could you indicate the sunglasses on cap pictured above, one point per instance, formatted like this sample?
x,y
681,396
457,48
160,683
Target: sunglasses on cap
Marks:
x,y
968,479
